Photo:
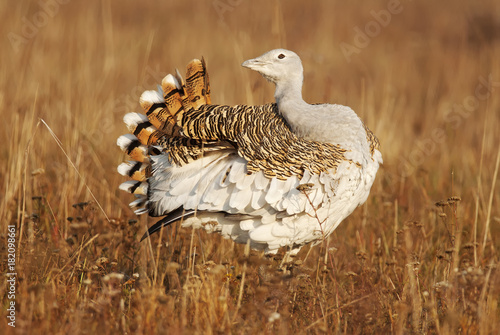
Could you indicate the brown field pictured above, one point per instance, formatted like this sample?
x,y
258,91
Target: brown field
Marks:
x,y
420,257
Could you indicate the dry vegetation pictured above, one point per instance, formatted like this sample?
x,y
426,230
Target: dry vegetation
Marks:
x,y
420,256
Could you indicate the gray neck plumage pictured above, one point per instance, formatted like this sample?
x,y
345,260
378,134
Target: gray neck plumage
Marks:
x,y
289,90
295,110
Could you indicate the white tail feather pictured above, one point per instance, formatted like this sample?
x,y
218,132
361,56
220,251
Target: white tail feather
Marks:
x,y
153,97
124,141
133,119
169,79
135,187
124,168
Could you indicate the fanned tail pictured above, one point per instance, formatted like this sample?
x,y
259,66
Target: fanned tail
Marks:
x,y
159,130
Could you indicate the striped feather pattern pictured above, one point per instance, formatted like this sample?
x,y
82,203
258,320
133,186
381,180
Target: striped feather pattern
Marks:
x,y
372,140
263,138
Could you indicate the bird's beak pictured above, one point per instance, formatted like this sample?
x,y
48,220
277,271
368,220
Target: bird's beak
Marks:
x,y
254,64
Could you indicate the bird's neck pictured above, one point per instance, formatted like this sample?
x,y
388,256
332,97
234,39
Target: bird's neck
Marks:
x,y
288,96
289,91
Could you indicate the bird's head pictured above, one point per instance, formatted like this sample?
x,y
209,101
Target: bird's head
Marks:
x,y
277,65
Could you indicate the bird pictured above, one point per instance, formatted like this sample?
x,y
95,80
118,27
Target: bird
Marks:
x,y
278,175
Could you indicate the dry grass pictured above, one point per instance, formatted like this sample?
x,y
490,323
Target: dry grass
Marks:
x,y
399,264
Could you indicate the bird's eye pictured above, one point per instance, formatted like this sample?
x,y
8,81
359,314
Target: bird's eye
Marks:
x,y
281,56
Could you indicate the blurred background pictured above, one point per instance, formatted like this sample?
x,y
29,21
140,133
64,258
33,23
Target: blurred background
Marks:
x,y
424,76
407,68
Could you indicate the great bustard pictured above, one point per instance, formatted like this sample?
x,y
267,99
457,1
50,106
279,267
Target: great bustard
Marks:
x,y
281,174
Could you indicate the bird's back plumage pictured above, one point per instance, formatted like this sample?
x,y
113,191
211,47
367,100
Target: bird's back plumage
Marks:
x,y
242,171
